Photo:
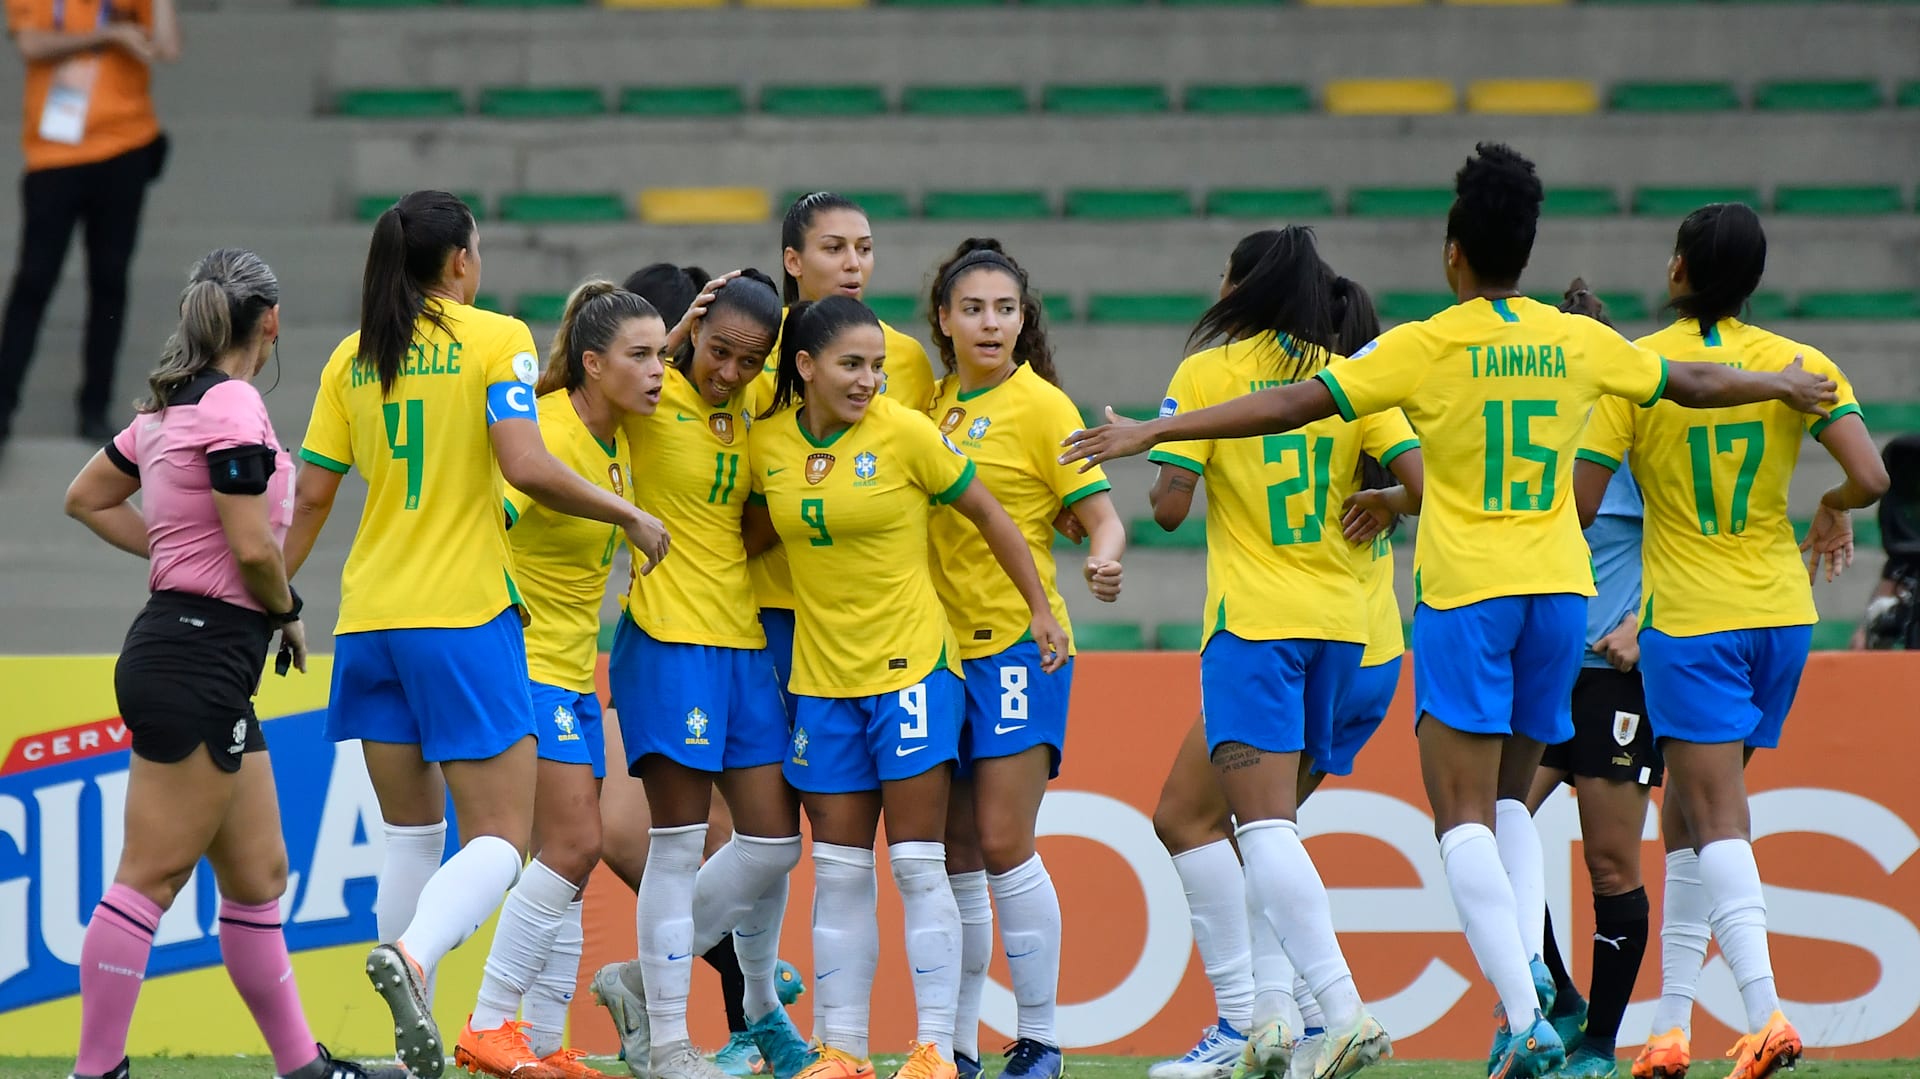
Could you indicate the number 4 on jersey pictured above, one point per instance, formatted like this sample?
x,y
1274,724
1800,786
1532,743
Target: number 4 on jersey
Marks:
x,y
407,442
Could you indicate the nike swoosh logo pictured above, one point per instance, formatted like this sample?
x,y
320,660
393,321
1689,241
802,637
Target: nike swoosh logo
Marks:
x,y
998,729
825,974
775,471
1022,955
928,970
672,958
903,751
749,936
684,418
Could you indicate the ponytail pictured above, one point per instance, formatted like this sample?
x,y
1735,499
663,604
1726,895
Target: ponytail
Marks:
x,y
1031,347
227,292
595,311
1287,291
809,328
407,256
1725,251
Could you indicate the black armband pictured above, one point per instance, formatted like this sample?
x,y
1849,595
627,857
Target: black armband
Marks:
x,y
120,460
241,470
281,618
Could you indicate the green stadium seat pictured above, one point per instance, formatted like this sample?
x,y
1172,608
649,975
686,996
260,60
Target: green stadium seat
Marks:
x,y
1885,305
1412,306
1178,636
1908,96
1109,637
1399,201
894,308
1874,199
1191,535
1282,203
1677,202
604,641
682,101
1271,98
1125,204
541,307
541,102
985,205
1833,634
488,301
1106,99
879,205
1151,308
400,103
1866,529
1095,415
1831,95
964,100
369,207
1581,202
1674,97
1768,307
1625,306
563,208
1058,309
848,100
1892,417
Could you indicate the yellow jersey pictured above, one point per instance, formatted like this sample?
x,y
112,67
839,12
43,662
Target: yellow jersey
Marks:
x,y
1373,564
1277,565
431,549
560,561
698,476
1499,391
853,515
1012,433
1719,551
909,380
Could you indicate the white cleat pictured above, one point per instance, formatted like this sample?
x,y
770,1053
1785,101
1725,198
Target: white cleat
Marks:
x,y
617,988
416,1038
1213,1057
1306,1053
682,1061
1345,1052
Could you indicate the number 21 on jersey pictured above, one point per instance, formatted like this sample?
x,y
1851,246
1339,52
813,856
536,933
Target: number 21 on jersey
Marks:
x,y
1309,462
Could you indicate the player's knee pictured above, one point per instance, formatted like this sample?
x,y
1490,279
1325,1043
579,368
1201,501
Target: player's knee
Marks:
x,y
1004,849
1613,872
1183,826
574,854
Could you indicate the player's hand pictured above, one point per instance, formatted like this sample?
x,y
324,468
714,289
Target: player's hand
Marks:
x,y
1118,437
1621,648
1103,579
649,537
1829,542
1051,640
1364,516
682,331
1805,391
293,638
1069,526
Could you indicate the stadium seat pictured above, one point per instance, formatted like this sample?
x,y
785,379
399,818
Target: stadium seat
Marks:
x,y
1581,202
1885,305
1082,3
1674,97
1109,637
704,206
369,207
1149,308
653,4
604,641
1191,535
1058,308
1678,202
1833,634
1909,95
540,307
964,100
488,301
1835,95
1399,201
1111,99
1389,97
1217,3
1892,417
1532,97
1768,307
562,208
682,101
848,100
1269,98
879,205
1412,306
1123,204
1286,203
1095,415
400,103
1178,636
895,308
541,102
1877,199
985,205
1624,306
1506,3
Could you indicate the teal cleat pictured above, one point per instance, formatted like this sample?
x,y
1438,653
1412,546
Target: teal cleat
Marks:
x,y
788,983
1543,986
740,1057
1587,1064
784,1052
1530,1053
1569,1019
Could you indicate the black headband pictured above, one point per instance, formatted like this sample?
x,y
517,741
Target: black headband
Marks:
x,y
982,256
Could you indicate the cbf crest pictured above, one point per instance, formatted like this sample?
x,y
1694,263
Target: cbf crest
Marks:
x,y
977,430
563,721
696,728
865,465
818,465
800,746
721,424
952,420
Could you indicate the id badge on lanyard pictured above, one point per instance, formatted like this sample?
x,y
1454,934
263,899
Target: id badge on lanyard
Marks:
x,y
63,118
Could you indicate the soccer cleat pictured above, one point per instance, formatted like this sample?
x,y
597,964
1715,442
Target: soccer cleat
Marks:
x,y
831,1063
619,990
1588,1064
925,1062
1306,1052
1666,1056
966,1066
1528,1053
502,1052
1269,1052
403,985
740,1056
788,983
1030,1059
1569,1019
1212,1057
571,1064
682,1061
325,1067
122,1070
1543,986
1757,1056
1344,1052
782,1051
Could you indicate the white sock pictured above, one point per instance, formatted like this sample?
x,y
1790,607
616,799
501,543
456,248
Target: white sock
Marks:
x,y
412,854
1273,973
1217,904
458,898
846,945
1526,864
756,946
976,954
1312,1019
1282,880
546,1003
1030,933
1685,911
733,880
530,919
1483,898
1739,922
664,927
933,938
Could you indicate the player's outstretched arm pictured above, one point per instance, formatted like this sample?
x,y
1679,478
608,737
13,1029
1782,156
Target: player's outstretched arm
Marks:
x,y
1010,550
1829,540
526,463
1712,385
1268,412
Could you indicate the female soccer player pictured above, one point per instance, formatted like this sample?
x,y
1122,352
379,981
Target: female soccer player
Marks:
x,y
850,480
1193,818
1729,615
1501,386
605,366
430,670
215,486
1002,401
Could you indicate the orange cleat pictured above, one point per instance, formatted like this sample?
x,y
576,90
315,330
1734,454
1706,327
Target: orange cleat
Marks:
x,y
831,1063
1665,1057
502,1052
925,1062
568,1064
1757,1056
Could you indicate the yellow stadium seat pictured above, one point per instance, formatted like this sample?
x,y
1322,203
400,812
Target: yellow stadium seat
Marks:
x,y
1533,97
705,206
1389,97
649,4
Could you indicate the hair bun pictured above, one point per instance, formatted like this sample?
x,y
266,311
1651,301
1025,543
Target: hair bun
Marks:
x,y
752,274
981,243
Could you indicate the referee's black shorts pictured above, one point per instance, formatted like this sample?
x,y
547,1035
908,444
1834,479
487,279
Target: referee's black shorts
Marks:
x,y
1611,736
186,677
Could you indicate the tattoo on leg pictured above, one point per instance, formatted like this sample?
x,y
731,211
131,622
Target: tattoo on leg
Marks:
x,y
1233,756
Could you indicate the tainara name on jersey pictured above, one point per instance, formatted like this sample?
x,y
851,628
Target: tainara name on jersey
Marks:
x,y
432,358
1518,361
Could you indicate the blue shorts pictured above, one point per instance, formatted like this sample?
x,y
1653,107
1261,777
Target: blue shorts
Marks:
x,y
842,745
1733,686
703,707
1276,696
1501,666
1369,695
777,623
567,722
1013,705
458,694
